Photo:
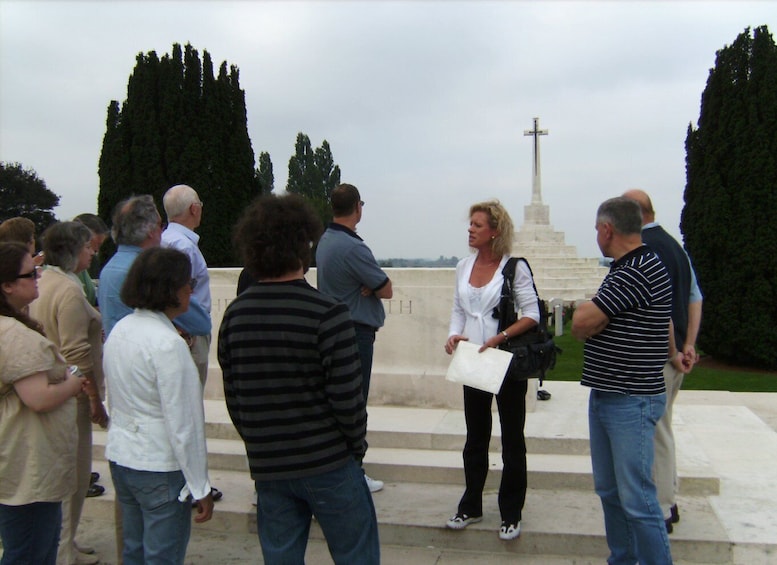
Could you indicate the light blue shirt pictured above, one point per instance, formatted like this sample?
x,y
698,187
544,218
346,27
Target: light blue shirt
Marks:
x,y
195,321
179,237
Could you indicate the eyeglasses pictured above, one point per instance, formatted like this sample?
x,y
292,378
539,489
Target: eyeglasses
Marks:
x,y
361,202
192,283
34,274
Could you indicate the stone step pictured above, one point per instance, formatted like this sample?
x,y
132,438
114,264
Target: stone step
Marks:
x,y
444,466
411,514
433,428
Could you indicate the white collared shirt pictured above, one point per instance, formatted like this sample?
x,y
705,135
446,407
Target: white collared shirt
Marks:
x,y
157,420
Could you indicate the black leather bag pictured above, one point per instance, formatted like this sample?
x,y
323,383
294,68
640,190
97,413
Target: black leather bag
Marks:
x,y
534,352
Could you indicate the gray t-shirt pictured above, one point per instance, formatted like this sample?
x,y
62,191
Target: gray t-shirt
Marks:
x,y
345,264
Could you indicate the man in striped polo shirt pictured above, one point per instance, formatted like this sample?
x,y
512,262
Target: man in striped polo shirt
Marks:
x,y
626,332
293,388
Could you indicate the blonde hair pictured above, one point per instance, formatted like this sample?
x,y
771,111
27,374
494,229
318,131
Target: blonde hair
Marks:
x,y
499,220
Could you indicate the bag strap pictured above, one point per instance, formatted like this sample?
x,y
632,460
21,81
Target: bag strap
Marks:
x,y
507,299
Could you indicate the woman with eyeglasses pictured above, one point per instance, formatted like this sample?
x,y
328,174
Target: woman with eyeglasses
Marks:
x,y
37,411
75,327
156,440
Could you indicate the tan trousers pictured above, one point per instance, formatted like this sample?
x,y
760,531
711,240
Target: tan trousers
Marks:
x,y
72,506
665,463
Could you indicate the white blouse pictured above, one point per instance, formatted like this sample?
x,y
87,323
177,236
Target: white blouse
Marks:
x,y
472,312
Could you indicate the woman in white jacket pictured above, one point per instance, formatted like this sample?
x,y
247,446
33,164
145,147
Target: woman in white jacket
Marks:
x,y
156,439
478,288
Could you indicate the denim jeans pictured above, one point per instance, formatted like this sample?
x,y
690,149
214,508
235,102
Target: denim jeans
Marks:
x,y
156,524
365,341
622,429
30,533
342,504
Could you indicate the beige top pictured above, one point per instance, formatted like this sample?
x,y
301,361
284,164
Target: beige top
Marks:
x,y
37,450
70,322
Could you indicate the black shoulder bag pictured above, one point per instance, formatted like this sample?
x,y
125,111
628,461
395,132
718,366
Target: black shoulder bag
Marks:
x,y
534,351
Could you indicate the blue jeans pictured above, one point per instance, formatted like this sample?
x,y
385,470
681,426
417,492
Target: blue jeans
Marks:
x,y
622,428
156,524
365,341
342,504
30,533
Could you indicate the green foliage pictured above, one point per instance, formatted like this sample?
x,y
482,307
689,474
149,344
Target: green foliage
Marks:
x,y
731,202
23,193
264,173
181,124
313,175
569,367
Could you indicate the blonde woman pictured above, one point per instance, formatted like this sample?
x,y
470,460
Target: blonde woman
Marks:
x,y
478,288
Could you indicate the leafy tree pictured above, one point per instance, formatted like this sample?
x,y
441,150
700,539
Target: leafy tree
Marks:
x,y
182,124
731,202
264,173
23,193
313,174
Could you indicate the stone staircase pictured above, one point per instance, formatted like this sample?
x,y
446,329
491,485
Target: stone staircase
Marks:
x,y
558,271
417,452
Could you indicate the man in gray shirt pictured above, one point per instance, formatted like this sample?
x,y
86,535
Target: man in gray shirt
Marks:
x,y
349,273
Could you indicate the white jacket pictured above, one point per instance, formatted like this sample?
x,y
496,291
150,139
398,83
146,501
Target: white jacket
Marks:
x,y
157,420
475,320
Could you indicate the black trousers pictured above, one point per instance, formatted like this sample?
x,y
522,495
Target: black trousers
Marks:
x,y
511,402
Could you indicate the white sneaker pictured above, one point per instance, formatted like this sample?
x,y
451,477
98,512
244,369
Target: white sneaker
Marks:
x,y
373,484
509,531
461,521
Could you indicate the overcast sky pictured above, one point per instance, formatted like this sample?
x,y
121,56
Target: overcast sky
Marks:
x,y
424,104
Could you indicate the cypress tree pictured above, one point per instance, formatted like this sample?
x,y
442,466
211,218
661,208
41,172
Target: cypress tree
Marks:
x,y
180,124
265,173
731,202
313,174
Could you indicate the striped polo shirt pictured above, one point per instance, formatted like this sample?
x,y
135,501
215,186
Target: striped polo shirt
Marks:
x,y
628,356
292,380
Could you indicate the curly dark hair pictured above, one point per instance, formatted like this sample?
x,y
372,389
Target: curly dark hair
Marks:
x,y
155,278
11,256
276,235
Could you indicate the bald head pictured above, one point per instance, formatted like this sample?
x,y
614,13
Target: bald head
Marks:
x,y
183,206
645,205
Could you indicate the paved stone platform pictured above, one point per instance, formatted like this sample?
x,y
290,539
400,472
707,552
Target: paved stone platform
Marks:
x,y
728,491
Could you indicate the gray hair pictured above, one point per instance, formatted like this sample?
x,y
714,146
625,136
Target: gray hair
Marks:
x,y
134,219
93,222
63,242
624,214
178,198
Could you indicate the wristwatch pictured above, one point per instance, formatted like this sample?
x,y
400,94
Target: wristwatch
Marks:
x,y
504,333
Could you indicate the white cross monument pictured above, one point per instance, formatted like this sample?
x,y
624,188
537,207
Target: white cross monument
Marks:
x,y
536,213
558,272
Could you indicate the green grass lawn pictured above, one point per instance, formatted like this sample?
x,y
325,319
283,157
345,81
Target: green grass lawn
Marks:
x,y
570,364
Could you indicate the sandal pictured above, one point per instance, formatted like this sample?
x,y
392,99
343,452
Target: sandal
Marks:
x,y
94,490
